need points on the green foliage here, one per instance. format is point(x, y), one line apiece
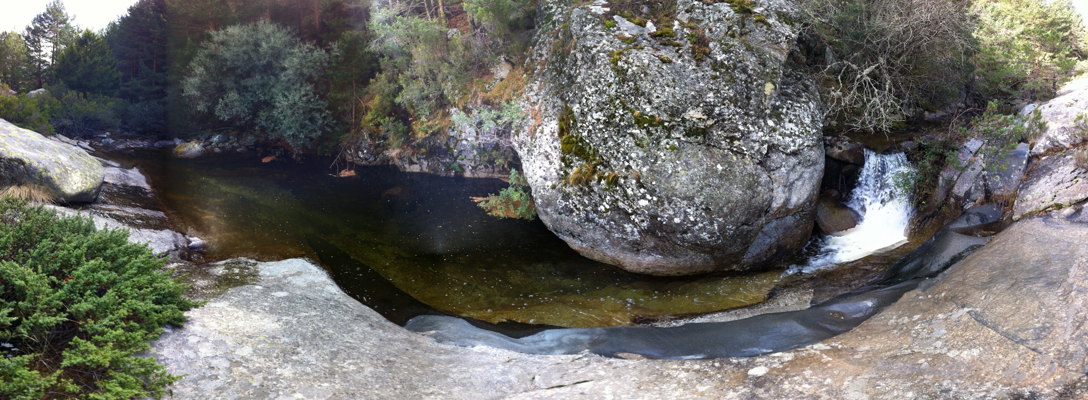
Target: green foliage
point(417, 53)
point(49, 33)
point(1080, 125)
point(352, 66)
point(1000, 133)
point(78, 305)
point(502, 17)
point(261, 78)
point(138, 41)
point(88, 66)
point(60, 110)
point(514, 201)
point(489, 120)
point(931, 158)
point(431, 63)
point(1026, 48)
point(14, 65)
point(78, 113)
point(29, 112)
point(384, 122)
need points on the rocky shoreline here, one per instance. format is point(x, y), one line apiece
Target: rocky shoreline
point(1008, 321)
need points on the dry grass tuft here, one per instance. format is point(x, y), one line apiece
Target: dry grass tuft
point(30, 193)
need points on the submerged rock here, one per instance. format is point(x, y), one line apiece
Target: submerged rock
point(747, 337)
point(682, 145)
point(29, 159)
point(191, 149)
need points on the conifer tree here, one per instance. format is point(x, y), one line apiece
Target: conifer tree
point(88, 66)
point(13, 62)
point(45, 37)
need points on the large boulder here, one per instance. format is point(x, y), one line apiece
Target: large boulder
point(1064, 129)
point(674, 140)
point(1055, 181)
point(28, 158)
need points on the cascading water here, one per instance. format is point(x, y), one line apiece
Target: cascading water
point(885, 210)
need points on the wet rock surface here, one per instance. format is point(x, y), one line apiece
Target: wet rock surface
point(126, 202)
point(66, 171)
point(677, 149)
point(844, 149)
point(833, 217)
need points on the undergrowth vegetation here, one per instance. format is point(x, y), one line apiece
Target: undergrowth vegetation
point(76, 307)
point(513, 201)
point(883, 63)
point(998, 134)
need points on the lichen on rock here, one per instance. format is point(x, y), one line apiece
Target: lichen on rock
point(710, 161)
point(66, 171)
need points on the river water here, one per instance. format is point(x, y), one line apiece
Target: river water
point(406, 244)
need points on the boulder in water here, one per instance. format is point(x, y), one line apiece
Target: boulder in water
point(67, 172)
point(191, 149)
point(673, 159)
point(833, 217)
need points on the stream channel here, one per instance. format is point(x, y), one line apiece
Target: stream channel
point(409, 244)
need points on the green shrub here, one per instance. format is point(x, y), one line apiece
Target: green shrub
point(513, 201)
point(76, 306)
point(1000, 133)
point(261, 78)
point(80, 113)
point(929, 160)
point(1026, 48)
point(29, 112)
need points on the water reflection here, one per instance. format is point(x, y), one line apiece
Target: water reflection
point(395, 240)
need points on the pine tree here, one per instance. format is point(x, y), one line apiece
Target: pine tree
point(45, 37)
point(13, 61)
point(138, 42)
point(88, 66)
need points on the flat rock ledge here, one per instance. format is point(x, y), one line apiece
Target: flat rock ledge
point(1009, 321)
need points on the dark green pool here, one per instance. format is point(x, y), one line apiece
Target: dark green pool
point(391, 239)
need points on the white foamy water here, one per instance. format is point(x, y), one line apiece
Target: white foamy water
point(885, 214)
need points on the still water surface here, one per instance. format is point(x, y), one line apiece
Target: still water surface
point(402, 243)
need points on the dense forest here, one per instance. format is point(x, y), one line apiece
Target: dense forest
point(318, 75)
point(399, 78)
point(323, 71)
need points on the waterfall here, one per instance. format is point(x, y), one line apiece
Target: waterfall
point(885, 210)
